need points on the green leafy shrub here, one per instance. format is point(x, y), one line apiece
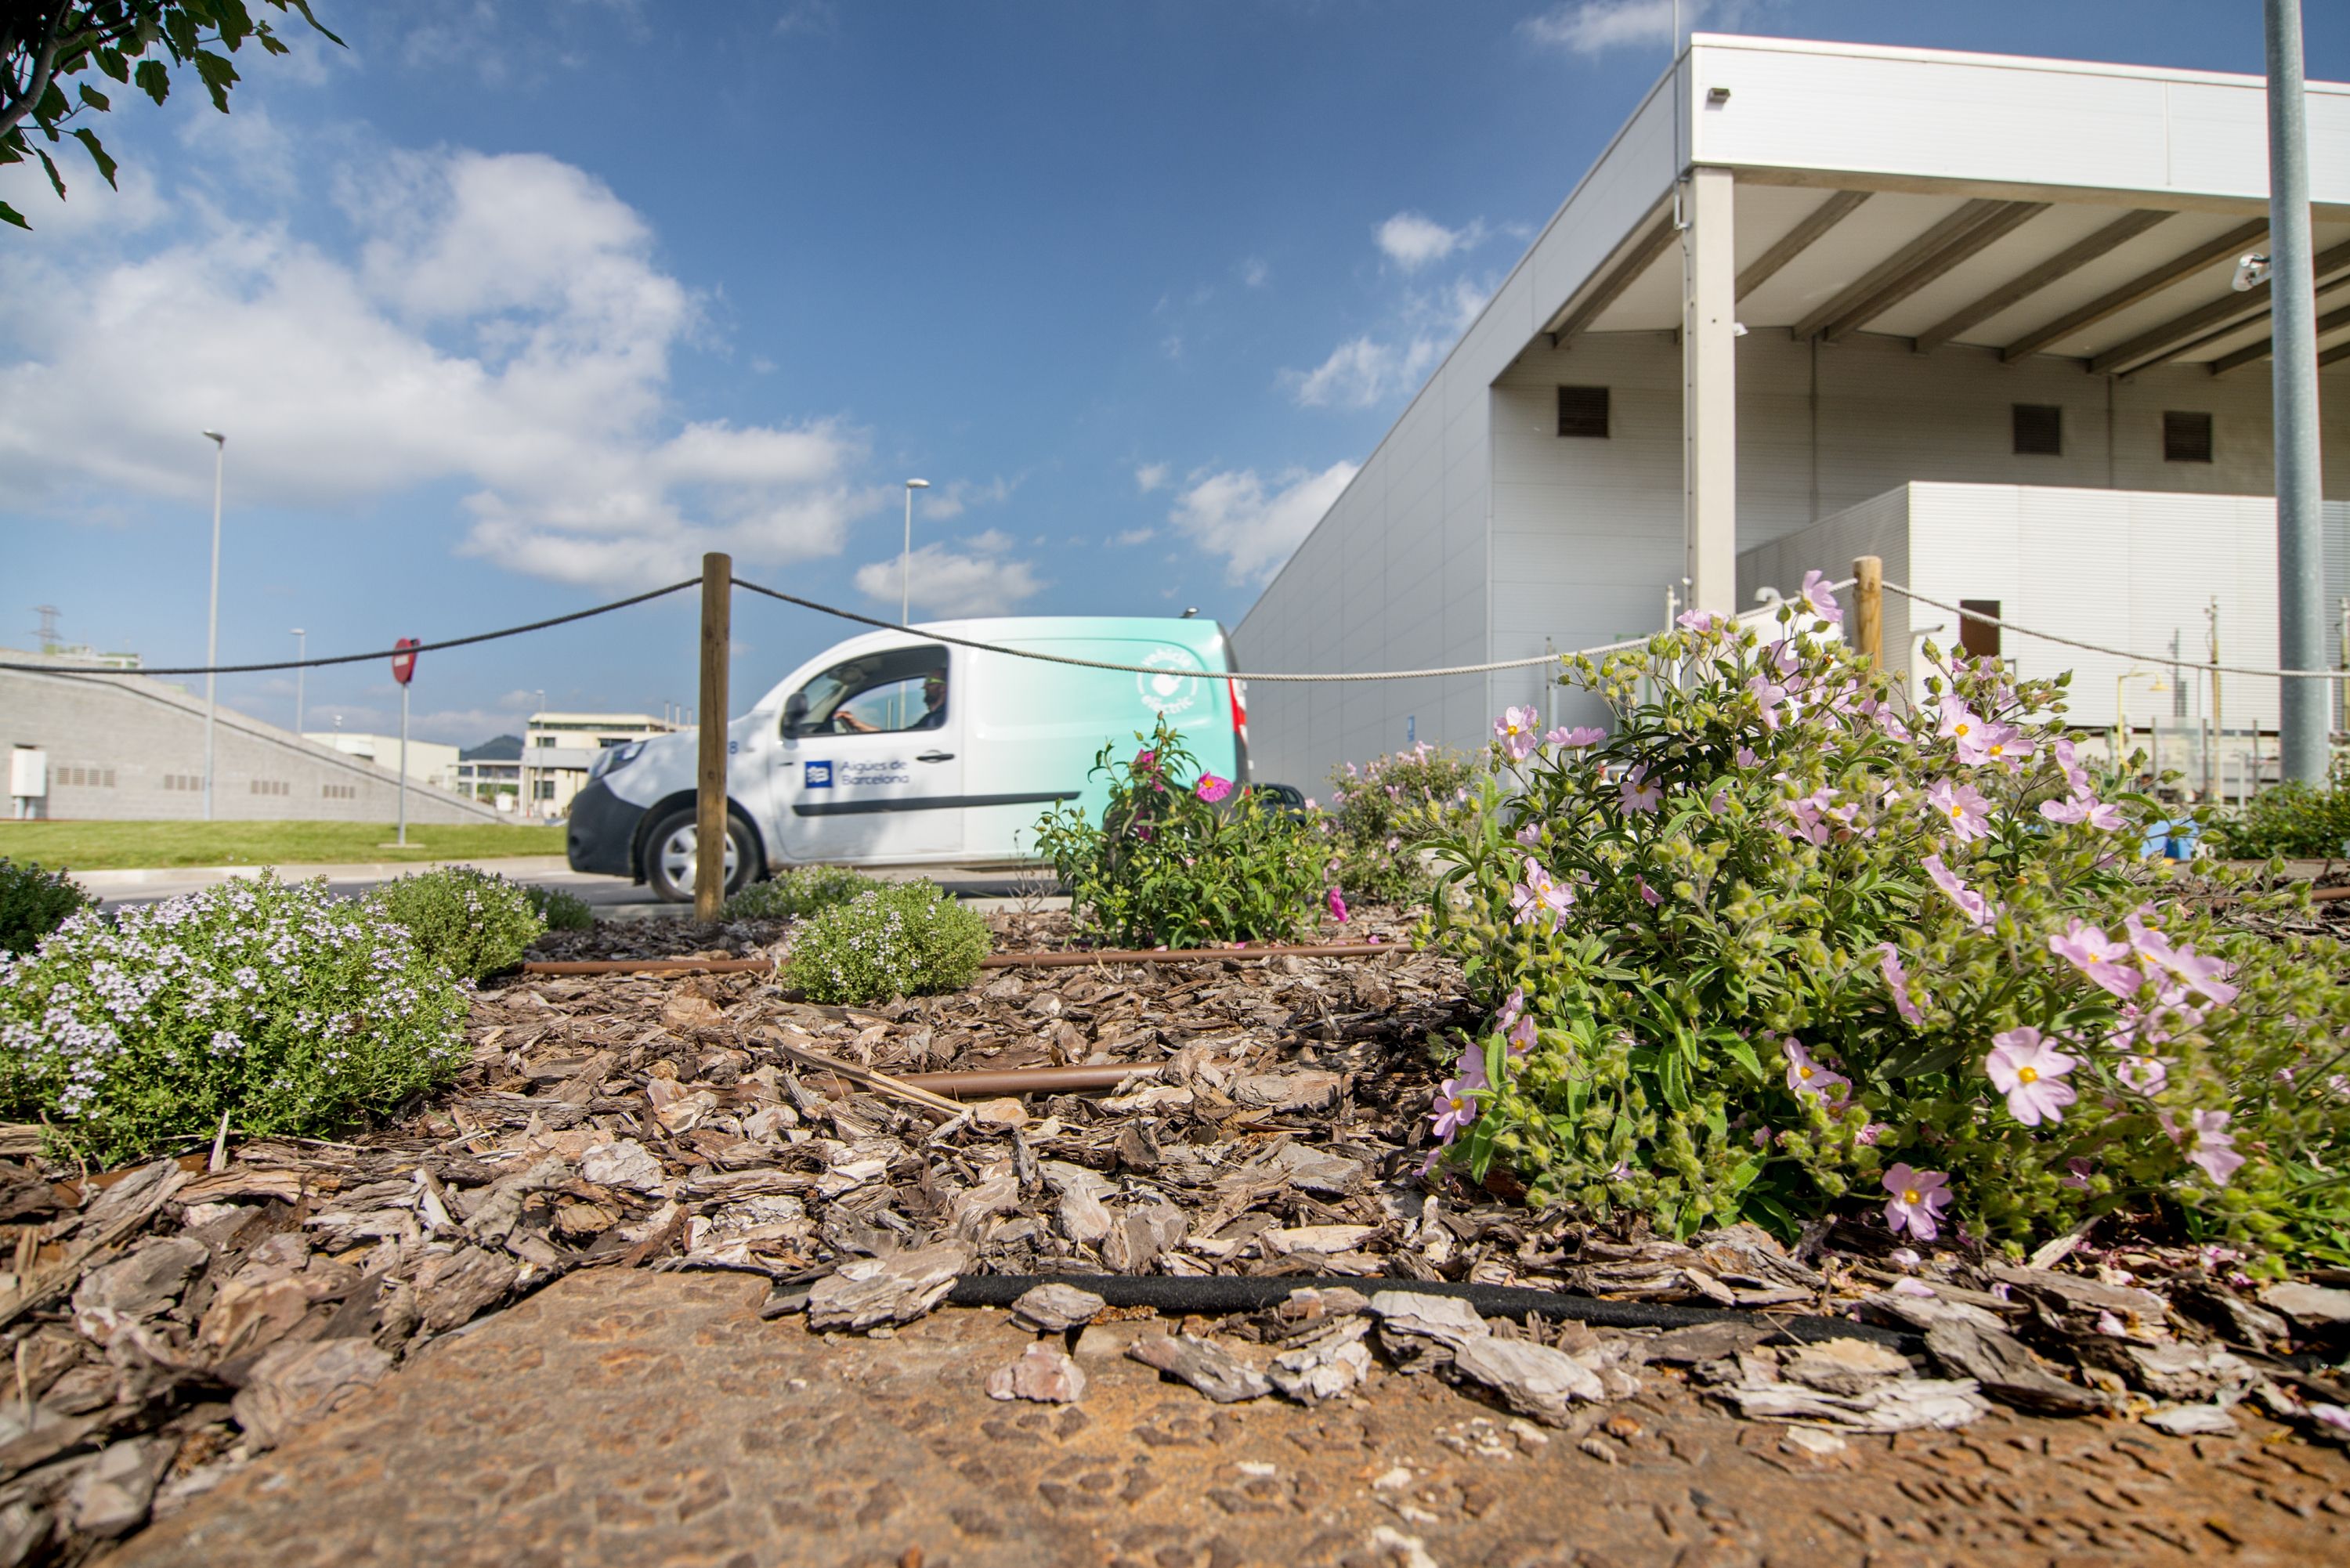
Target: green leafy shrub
point(1783, 942)
point(1180, 859)
point(559, 910)
point(292, 1012)
point(1382, 812)
point(901, 939)
point(798, 893)
point(2293, 819)
point(472, 922)
point(34, 902)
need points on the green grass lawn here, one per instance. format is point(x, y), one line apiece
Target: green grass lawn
point(122, 845)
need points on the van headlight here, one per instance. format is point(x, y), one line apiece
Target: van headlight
point(612, 758)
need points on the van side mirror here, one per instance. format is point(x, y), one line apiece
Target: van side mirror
point(795, 712)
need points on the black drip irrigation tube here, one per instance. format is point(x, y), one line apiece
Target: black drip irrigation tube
point(1211, 1296)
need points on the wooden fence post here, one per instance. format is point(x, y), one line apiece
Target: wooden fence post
point(709, 781)
point(1868, 608)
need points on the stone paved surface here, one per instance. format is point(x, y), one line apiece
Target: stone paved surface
point(624, 1417)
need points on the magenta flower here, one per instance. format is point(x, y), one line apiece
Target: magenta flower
point(1746, 757)
point(2144, 1074)
point(1452, 1110)
point(1970, 903)
point(1530, 835)
point(1515, 730)
point(1695, 620)
point(1768, 695)
point(1212, 789)
point(1809, 824)
point(2087, 948)
point(1521, 1037)
point(1538, 896)
point(2084, 807)
point(2030, 1071)
point(2006, 745)
point(2215, 1146)
point(1917, 1202)
point(1648, 893)
point(1471, 1069)
point(1513, 1006)
point(1338, 903)
point(1145, 761)
point(2197, 972)
point(1897, 980)
point(1578, 738)
point(2076, 777)
point(1806, 1077)
point(1820, 599)
point(2077, 1174)
point(1963, 807)
point(1870, 1134)
point(1961, 724)
point(1636, 793)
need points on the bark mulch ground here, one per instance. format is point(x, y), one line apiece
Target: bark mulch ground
point(169, 1324)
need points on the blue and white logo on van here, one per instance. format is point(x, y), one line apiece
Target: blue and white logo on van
point(819, 776)
point(1173, 686)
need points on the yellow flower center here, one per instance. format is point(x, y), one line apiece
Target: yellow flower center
point(1802, 1071)
point(1909, 1195)
point(1960, 730)
point(1957, 812)
point(2027, 1074)
point(1459, 1103)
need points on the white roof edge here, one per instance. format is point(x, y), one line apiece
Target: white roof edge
point(2005, 62)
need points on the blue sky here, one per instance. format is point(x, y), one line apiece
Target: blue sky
point(515, 306)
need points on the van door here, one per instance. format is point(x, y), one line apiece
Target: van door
point(869, 768)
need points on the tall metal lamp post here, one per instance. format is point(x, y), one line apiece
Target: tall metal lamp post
point(906, 561)
point(301, 652)
point(212, 615)
point(2293, 297)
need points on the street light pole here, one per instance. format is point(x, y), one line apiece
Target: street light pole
point(906, 561)
point(211, 616)
point(2301, 736)
point(301, 651)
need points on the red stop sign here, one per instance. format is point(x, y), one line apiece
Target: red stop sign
point(403, 664)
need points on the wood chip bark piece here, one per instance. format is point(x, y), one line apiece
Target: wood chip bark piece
point(141, 1284)
point(1055, 1308)
point(1896, 1404)
point(2188, 1372)
point(1327, 1365)
point(297, 1382)
point(1418, 1330)
point(1043, 1373)
point(1084, 1218)
point(1705, 1342)
point(2007, 1369)
point(1203, 1364)
point(1844, 1365)
point(1531, 1379)
point(112, 1496)
point(451, 1288)
point(626, 1163)
point(2313, 1307)
point(2191, 1421)
point(896, 1289)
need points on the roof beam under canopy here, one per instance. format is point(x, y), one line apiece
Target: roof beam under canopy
point(1580, 313)
point(2180, 333)
point(2144, 286)
point(1799, 239)
point(1914, 266)
point(2063, 265)
point(2332, 321)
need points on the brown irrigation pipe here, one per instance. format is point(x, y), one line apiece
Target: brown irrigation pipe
point(1058, 959)
point(988, 1085)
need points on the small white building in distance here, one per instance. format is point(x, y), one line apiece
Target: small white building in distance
point(1970, 313)
point(429, 761)
point(558, 749)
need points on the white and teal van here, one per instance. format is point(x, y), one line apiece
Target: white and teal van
point(893, 749)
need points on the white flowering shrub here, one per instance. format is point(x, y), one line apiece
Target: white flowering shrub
point(798, 892)
point(294, 1013)
point(473, 923)
point(906, 938)
point(1783, 942)
point(1379, 812)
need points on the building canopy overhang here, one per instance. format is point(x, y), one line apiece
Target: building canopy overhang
point(1958, 201)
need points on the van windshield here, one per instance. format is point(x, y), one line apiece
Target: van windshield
point(893, 689)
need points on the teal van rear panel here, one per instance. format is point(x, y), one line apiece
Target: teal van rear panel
point(1033, 726)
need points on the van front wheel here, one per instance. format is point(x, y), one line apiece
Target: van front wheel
point(672, 856)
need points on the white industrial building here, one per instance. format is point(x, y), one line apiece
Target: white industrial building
point(1972, 313)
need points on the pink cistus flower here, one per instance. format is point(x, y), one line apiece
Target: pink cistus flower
point(1575, 739)
point(1515, 730)
point(2006, 745)
point(1540, 896)
point(1636, 793)
point(1338, 903)
point(2077, 1172)
point(1963, 807)
point(1918, 1198)
point(1513, 1007)
point(2144, 1075)
point(1695, 620)
point(1820, 599)
point(1961, 725)
point(1521, 1037)
point(2087, 948)
point(1768, 694)
point(2029, 1071)
point(1897, 980)
point(2083, 807)
point(1452, 1110)
point(1807, 1079)
point(1970, 903)
point(1648, 893)
point(1146, 762)
point(2215, 1146)
point(1212, 789)
point(1530, 835)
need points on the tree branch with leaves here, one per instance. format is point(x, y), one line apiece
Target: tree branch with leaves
point(46, 43)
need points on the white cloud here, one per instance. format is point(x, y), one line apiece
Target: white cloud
point(951, 499)
point(1254, 273)
point(1149, 476)
point(1595, 26)
point(1134, 536)
point(1361, 373)
point(502, 326)
point(1412, 241)
point(1235, 516)
point(948, 582)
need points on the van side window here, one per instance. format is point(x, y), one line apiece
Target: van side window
point(892, 690)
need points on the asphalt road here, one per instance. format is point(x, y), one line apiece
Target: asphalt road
point(613, 898)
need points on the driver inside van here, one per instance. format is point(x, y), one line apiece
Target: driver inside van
point(933, 715)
